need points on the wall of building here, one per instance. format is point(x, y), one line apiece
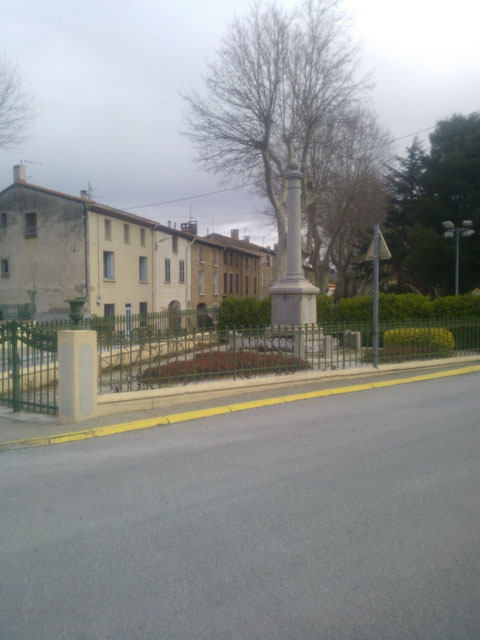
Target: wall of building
point(126, 286)
point(241, 274)
point(170, 288)
point(50, 260)
point(205, 259)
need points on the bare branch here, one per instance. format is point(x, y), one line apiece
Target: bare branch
point(17, 108)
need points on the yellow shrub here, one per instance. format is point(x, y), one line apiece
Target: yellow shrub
point(418, 340)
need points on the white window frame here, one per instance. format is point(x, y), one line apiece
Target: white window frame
point(108, 265)
point(143, 269)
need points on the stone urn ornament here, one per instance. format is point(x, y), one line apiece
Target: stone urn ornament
point(76, 310)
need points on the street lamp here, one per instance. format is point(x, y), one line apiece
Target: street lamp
point(452, 231)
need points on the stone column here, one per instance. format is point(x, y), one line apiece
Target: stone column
point(77, 375)
point(294, 298)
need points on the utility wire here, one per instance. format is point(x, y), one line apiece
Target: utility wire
point(201, 195)
point(249, 184)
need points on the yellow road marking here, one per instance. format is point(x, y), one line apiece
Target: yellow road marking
point(97, 432)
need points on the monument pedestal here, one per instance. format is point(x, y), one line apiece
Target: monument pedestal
point(294, 301)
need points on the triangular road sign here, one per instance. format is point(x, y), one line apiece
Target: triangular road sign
point(383, 250)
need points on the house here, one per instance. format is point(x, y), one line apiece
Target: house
point(248, 267)
point(55, 246)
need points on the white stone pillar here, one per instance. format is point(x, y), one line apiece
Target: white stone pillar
point(77, 375)
point(294, 299)
point(294, 228)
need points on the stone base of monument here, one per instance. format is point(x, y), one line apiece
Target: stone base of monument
point(294, 302)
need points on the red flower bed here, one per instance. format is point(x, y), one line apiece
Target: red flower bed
point(222, 365)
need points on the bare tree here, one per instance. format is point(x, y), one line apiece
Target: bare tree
point(280, 78)
point(346, 195)
point(17, 108)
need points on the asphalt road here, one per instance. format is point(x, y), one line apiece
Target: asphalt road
point(354, 517)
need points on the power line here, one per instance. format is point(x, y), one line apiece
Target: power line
point(201, 195)
point(414, 133)
point(249, 184)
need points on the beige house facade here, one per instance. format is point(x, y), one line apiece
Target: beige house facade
point(54, 246)
point(248, 267)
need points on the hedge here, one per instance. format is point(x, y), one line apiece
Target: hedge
point(238, 313)
point(235, 313)
point(393, 307)
point(418, 340)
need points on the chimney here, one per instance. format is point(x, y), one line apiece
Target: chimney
point(247, 238)
point(19, 173)
point(169, 223)
point(84, 194)
point(235, 234)
point(190, 227)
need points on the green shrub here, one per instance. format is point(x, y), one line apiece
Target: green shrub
point(393, 307)
point(243, 313)
point(350, 310)
point(466, 306)
point(422, 341)
point(325, 310)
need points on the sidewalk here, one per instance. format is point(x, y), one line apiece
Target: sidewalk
point(16, 428)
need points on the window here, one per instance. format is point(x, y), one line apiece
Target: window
point(263, 278)
point(224, 283)
point(181, 270)
point(126, 233)
point(142, 269)
point(202, 258)
point(255, 286)
point(201, 283)
point(108, 265)
point(5, 270)
point(246, 285)
point(267, 261)
point(237, 261)
point(30, 225)
point(167, 269)
point(174, 244)
point(4, 220)
point(231, 259)
point(108, 310)
point(215, 283)
point(214, 256)
point(231, 283)
point(236, 282)
point(246, 263)
point(142, 237)
point(108, 229)
point(225, 258)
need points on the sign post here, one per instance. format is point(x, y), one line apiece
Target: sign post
point(377, 251)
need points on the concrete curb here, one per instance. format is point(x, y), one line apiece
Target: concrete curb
point(98, 432)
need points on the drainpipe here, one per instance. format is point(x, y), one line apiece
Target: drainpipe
point(187, 272)
point(154, 272)
point(85, 232)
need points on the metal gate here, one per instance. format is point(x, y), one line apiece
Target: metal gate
point(28, 367)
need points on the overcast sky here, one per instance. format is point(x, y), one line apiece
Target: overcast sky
point(106, 75)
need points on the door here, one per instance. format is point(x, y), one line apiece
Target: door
point(128, 318)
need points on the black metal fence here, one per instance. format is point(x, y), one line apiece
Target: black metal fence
point(152, 351)
point(28, 367)
point(169, 359)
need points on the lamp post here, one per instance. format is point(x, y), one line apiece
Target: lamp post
point(452, 231)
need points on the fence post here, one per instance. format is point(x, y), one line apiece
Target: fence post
point(77, 375)
point(16, 385)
